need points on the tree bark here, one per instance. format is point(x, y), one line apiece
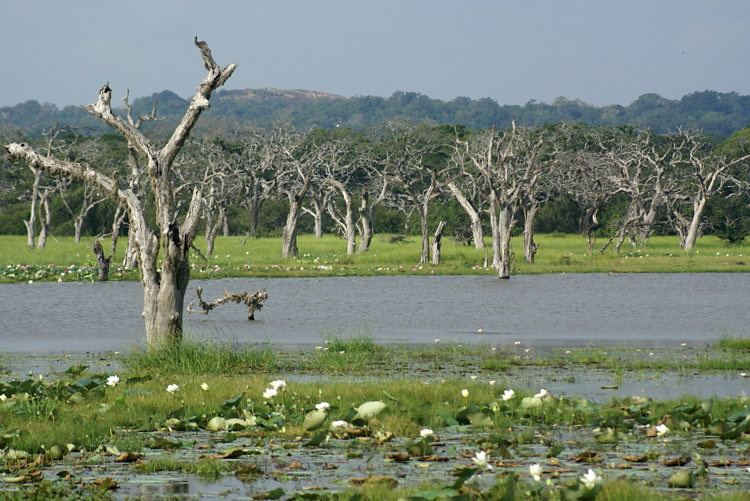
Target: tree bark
point(475, 221)
point(289, 233)
point(44, 220)
point(102, 262)
point(505, 222)
point(437, 240)
point(529, 246)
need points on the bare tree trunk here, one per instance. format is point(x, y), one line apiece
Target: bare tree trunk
point(117, 221)
point(436, 242)
point(102, 262)
point(317, 215)
point(130, 260)
point(475, 221)
point(77, 227)
point(212, 230)
point(366, 214)
point(529, 246)
point(31, 223)
point(253, 210)
point(695, 224)
point(505, 223)
point(425, 257)
point(289, 233)
point(45, 221)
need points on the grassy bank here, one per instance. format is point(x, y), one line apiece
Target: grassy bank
point(208, 411)
point(327, 257)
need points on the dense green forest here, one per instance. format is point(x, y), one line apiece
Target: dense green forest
point(714, 113)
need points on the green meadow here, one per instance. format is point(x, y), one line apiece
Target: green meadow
point(327, 257)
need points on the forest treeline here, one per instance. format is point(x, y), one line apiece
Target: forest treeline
point(716, 114)
point(621, 184)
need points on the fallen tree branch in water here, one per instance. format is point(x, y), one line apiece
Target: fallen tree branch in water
point(252, 301)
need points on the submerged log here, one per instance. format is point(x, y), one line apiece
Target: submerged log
point(252, 301)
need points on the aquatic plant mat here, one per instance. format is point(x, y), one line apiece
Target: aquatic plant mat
point(457, 424)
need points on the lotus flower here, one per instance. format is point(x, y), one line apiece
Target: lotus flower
point(542, 393)
point(425, 432)
point(590, 479)
point(173, 388)
point(113, 380)
point(508, 394)
point(204, 387)
point(481, 459)
point(465, 393)
point(661, 430)
point(270, 393)
point(278, 384)
point(323, 406)
point(339, 425)
point(535, 470)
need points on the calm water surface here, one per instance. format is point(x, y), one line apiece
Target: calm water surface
point(539, 310)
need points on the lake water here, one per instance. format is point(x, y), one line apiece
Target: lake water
point(541, 311)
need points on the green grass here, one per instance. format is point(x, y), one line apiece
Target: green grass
point(734, 343)
point(327, 257)
point(199, 357)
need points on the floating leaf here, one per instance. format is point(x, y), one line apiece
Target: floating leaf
point(127, 457)
point(317, 439)
point(449, 420)
point(680, 461)
point(683, 479)
point(369, 410)
point(76, 370)
point(314, 419)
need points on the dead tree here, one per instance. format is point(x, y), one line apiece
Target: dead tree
point(413, 168)
point(437, 240)
point(696, 175)
point(509, 163)
point(164, 279)
point(102, 261)
point(254, 302)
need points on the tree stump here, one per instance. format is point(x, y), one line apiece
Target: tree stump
point(101, 262)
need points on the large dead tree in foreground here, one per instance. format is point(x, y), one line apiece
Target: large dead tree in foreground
point(164, 285)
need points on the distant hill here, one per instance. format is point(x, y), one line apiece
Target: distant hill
point(716, 113)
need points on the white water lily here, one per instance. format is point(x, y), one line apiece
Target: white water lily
point(339, 425)
point(465, 393)
point(270, 393)
point(542, 393)
point(425, 432)
point(323, 406)
point(481, 459)
point(173, 388)
point(508, 394)
point(661, 430)
point(204, 387)
point(278, 384)
point(590, 479)
point(113, 380)
point(535, 470)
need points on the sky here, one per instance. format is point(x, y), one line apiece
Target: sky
point(599, 51)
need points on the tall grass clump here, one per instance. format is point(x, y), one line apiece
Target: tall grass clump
point(340, 353)
point(199, 357)
point(735, 343)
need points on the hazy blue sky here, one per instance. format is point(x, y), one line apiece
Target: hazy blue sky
point(599, 51)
